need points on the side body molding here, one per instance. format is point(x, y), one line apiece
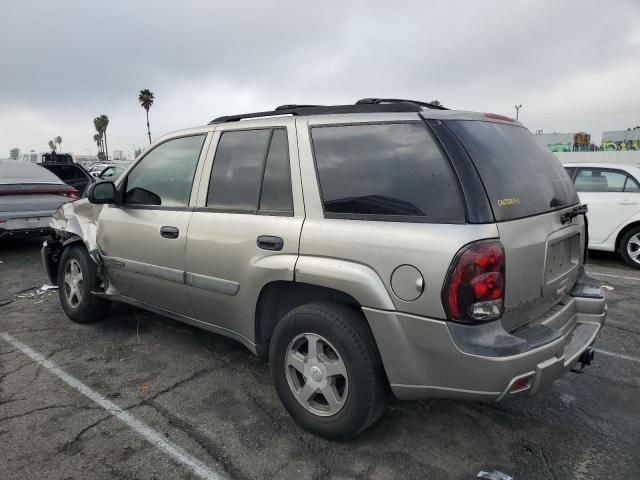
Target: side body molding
point(355, 279)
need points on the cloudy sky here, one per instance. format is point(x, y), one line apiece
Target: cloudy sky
point(573, 65)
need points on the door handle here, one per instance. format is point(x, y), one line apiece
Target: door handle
point(627, 202)
point(169, 232)
point(268, 242)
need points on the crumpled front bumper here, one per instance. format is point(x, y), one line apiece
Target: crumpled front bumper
point(426, 358)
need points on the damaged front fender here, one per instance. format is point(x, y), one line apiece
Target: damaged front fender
point(77, 220)
point(73, 222)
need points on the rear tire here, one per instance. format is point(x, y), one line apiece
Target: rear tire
point(339, 391)
point(77, 278)
point(629, 248)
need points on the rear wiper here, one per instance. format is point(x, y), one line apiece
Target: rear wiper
point(573, 213)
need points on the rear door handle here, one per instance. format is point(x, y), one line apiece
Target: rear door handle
point(268, 242)
point(169, 232)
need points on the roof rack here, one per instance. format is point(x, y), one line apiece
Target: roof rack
point(378, 101)
point(291, 106)
point(366, 105)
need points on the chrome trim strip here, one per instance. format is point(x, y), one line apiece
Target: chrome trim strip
point(213, 284)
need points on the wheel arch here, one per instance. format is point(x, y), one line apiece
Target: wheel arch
point(624, 231)
point(279, 297)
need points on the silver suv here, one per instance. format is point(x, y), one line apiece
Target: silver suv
point(389, 246)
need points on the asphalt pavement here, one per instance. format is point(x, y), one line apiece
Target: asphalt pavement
point(137, 396)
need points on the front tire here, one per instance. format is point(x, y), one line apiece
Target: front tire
point(77, 278)
point(327, 370)
point(630, 247)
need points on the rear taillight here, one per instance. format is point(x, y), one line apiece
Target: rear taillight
point(66, 192)
point(474, 291)
point(71, 193)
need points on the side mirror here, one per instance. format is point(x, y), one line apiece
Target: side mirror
point(102, 192)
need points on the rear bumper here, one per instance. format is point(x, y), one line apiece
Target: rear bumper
point(423, 360)
point(32, 224)
point(25, 232)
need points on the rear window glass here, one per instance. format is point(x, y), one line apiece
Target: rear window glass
point(521, 178)
point(385, 171)
point(66, 172)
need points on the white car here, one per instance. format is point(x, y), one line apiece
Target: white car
point(612, 193)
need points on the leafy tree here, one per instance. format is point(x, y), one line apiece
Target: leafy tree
point(58, 140)
point(146, 100)
point(52, 145)
point(13, 153)
point(436, 103)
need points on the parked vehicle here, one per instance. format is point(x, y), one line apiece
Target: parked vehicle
point(72, 174)
point(29, 194)
point(95, 168)
point(44, 157)
point(112, 172)
point(612, 194)
point(386, 246)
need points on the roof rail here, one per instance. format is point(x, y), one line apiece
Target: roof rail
point(291, 106)
point(302, 110)
point(378, 101)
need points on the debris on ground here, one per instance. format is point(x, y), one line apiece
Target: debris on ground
point(41, 293)
point(37, 292)
point(493, 475)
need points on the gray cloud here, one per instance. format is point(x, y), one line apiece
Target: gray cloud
point(572, 64)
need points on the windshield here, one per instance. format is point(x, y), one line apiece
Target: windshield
point(520, 177)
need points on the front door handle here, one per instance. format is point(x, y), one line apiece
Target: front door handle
point(627, 202)
point(268, 242)
point(169, 232)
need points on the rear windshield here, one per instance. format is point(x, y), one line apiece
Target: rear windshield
point(67, 172)
point(521, 178)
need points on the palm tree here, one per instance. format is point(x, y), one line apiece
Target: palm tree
point(58, 140)
point(98, 139)
point(52, 146)
point(97, 123)
point(105, 123)
point(146, 100)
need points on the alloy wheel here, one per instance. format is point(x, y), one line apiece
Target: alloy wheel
point(316, 374)
point(633, 248)
point(73, 283)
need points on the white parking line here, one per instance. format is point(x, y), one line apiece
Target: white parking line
point(614, 276)
point(619, 355)
point(155, 438)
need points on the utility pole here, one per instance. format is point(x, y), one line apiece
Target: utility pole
point(518, 107)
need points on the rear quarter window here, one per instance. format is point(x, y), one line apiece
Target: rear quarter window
point(521, 178)
point(385, 172)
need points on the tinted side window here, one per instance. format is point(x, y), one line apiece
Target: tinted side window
point(165, 175)
point(392, 170)
point(237, 170)
point(276, 185)
point(598, 180)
